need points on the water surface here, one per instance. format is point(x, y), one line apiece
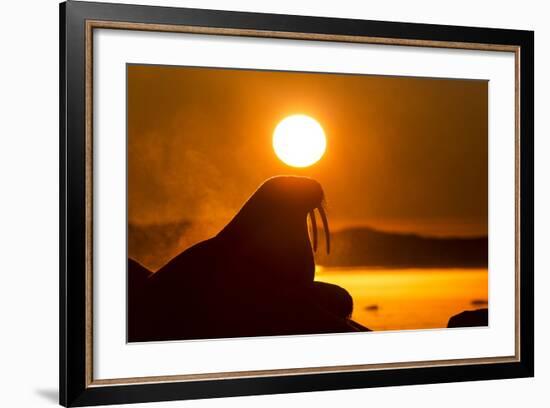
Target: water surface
point(398, 299)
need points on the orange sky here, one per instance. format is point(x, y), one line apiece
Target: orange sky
point(403, 154)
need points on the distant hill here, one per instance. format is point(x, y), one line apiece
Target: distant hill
point(369, 247)
point(153, 245)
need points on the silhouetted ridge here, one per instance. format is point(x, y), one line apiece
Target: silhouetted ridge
point(154, 244)
point(369, 247)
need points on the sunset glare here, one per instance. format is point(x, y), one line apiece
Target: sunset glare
point(299, 141)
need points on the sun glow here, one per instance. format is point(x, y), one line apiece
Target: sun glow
point(299, 141)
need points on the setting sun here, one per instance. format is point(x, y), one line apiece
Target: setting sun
point(299, 141)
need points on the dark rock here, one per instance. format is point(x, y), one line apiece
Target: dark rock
point(470, 318)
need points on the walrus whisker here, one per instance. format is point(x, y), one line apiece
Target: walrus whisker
point(313, 229)
point(325, 226)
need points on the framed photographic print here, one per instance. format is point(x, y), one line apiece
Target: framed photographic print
point(256, 203)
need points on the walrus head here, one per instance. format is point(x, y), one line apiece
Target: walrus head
point(300, 195)
point(290, 196)
point(270, 232)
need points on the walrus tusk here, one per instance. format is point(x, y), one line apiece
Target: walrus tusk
point(325, 226)
point(313, 229)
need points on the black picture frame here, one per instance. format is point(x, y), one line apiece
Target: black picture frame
point(76, 389)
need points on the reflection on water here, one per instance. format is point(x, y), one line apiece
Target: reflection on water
point(397, 299)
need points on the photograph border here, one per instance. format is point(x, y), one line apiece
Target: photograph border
point(77, 22)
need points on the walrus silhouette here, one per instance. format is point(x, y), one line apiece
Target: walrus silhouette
point(255, 277)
